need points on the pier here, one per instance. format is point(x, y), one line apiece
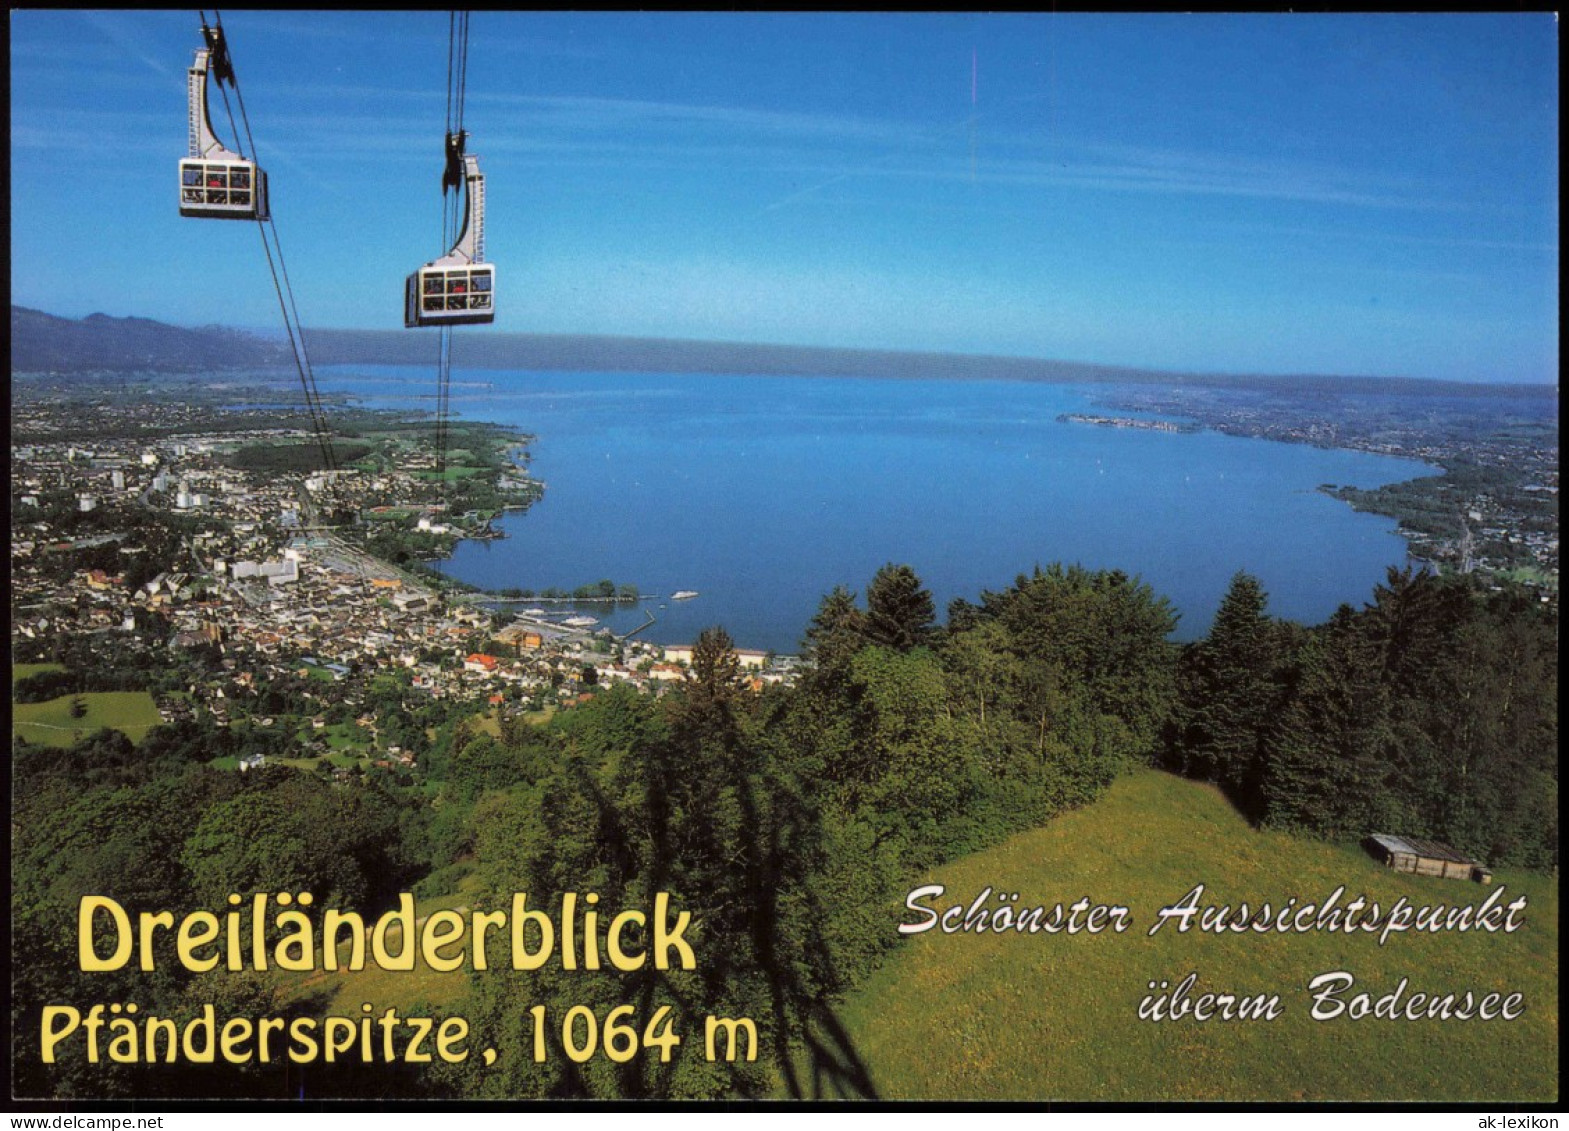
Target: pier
point(494, 599)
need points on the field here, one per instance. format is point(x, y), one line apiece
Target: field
point(51, 724)
point(1049, 1016)
point(459, 471)
point(22, 671)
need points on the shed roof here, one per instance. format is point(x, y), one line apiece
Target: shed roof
point(1431, 849)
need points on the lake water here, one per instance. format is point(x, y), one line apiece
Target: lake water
point(762, 493)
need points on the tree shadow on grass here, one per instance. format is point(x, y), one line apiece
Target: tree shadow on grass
point(814, 1055)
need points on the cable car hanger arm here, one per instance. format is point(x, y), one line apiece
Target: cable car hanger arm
point(204, 142)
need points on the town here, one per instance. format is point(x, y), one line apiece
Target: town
point(203, 562)
point(1492, 509)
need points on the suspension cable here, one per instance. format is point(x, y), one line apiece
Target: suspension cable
point(457, 85)
point(463, 67)
point(451, 215)
point(278, 268)
point(452, 25)
point(443, 400)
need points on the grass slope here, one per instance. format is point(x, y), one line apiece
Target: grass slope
point(50, 724)
point(1055, 1017)
point(25, 671)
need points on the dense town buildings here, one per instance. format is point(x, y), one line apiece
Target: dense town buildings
point(188, 551)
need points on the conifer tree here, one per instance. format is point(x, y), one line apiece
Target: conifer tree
point(836, 632)
point(1232, 692)
point(1328, 757)
point(716, 669)
point(899, 610)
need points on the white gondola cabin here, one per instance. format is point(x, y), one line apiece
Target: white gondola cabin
point(216, 183)
point(223, 190)
point(450, 295)
point(459, 288)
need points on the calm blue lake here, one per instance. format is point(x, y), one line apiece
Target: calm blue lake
point(762, 493)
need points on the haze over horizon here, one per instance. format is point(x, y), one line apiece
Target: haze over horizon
point(1261, 194)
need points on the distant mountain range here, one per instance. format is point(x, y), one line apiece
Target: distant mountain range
point(44, 343)
point(488, 350)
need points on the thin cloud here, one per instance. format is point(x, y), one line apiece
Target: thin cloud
point(1361, 236)
point(490, 36)
point(850, 147)
point(591, 132)
point(1153, 171)
point(612, 114)
point(98, 132)
point(119, 33)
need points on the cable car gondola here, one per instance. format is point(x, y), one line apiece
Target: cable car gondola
point(216, 183)
point(460, 287)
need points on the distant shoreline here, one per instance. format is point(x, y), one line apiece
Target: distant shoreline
point(47, 344)
point(588, 353)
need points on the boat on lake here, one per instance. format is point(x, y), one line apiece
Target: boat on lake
point(684, 595)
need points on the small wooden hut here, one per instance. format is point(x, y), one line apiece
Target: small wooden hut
point(1425, 858)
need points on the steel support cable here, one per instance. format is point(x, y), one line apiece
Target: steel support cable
point(312, 394)
point(443, 400)
point(292, 326)
point(457, 84)
point(307, 375)
point(220, 69)
point(447, 213)
point(448, 236)
point(463, 67)
point(301, 361)
point(452, 22)
point(457, 80)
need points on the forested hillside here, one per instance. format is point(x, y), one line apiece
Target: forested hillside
point(1432, 712)
point(788, 820)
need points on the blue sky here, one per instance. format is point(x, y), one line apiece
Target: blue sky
point(1353, 194)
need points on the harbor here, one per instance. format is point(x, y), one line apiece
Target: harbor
point(567, 621)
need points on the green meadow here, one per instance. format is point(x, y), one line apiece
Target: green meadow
point(51, 724)
point(1053, 1016)
point(457, 468)
point(23, 671)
